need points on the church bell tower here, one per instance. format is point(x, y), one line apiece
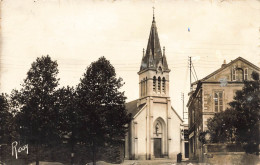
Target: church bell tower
point(154, 71)
point(155, 126)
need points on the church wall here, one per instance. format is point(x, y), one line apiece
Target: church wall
point(159, 111)
point(141, 135)
point(175, 145)
point(149, 75)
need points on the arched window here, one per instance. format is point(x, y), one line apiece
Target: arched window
point(154, 83)
point(160, 69)
point(141, 84)
point(159, 84)
point(246, 74)
point(145, 87)
point(163, 85)
point(234, 74)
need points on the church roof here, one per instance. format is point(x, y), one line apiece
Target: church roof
point(132, 108)
point(153, 57)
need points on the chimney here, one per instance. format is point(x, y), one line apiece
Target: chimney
point(224, 64)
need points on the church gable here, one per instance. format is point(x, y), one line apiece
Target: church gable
point(176, 114)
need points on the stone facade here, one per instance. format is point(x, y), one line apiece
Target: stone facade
point(155, 129)
point(211, 95)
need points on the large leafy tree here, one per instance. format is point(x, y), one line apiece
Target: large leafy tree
point(37, 115)
point(68, 114)
point(241, 121)
point(5, 120)
point(103, 116)
point(247, 104)
point(222, 126)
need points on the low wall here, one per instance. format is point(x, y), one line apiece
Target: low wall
point(227, 154)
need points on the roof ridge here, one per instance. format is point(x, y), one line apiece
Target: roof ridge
point(225, 66)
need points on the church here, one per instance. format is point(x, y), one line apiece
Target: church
point(156, 130)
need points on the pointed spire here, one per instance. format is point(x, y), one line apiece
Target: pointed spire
point(153, 54)
point(153, 15)
point(143, 52)
point(165, 65)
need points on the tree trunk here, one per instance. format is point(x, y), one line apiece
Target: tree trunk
point(37, 155)
point(72, 149)
point(94, 153)
point(258, 138)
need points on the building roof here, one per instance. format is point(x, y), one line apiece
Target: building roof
point(199, 82)
point(153, 57)
point(132, 108)
point(177, 114)
point(225, 66)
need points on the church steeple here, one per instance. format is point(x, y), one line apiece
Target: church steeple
point(153, 55)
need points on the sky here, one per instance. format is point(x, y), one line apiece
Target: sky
point(78, 32)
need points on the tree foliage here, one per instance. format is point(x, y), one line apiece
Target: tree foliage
point(222, 126)
point(68, 116)
point(240, 123)
point(103, 115)
point(37, 116)
point(67, 110)
point(5, 120)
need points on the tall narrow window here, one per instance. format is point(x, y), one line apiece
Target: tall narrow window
point(246, 74)
point(218, 101)
point(234, 74)
point(159, 84)
point(163, 85)
point(145, 87)
point(154, 83)
point(141, 88)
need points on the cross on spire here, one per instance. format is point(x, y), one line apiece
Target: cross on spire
point(153, 14)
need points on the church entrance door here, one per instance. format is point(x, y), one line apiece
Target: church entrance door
point(157, 147)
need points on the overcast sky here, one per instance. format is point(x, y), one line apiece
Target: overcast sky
point(78, 32)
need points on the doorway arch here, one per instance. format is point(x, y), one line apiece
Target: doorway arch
point(159, 136)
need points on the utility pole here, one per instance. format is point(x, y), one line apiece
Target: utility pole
point(183, 109)
point(182, 97)
point(190, 72)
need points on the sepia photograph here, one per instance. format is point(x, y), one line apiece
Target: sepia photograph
point(131, 82)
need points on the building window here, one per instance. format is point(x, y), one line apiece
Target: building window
point(163, 85)
point(159, 84)
point(141, 88)
point(246, 74)
point(154, 83)
point(218, 101)
point(145, 87)
point(234, 74)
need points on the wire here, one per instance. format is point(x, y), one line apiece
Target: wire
point(193, 76)
point(194, 70)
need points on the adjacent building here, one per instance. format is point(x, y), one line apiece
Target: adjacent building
point(211, 95)
point(156, 129)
